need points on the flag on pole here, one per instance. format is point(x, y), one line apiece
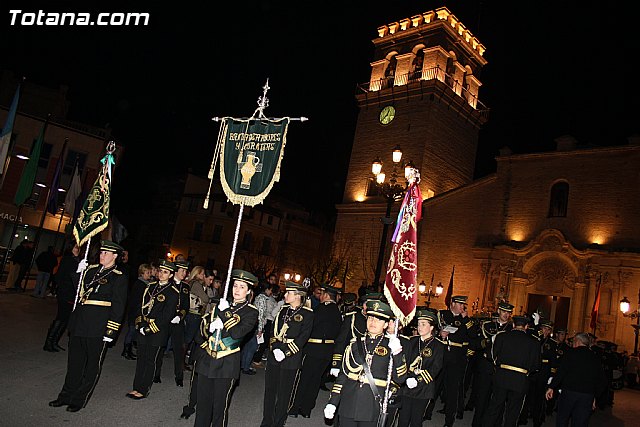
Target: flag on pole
point(7, 130)
point(596, 304)
point(449, 295)
point(400, 287)
point(52, 201)
point(94, 215)
point(73, 192)
point(30, 170)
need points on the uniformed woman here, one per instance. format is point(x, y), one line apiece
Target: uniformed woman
point(157, 308)
point(291, 330)
point(424, 355)
point(361, 384)
point(218, 351)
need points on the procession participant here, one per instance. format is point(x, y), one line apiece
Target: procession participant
point(327, 321)
point(133, 300)
point(455, 359)
point(217, 366)
point(291, 330)
point(539, 380)
point(361, 384)
point(353, 326)
point(425, 356)
point(93, 324)
point(516, 354)
point(157, 308)
point(198, 304)
point(484, 365)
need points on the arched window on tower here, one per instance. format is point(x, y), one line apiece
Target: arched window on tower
point(559, 200)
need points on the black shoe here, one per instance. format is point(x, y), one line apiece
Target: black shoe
point(427, 416)
point(293, 415)
point(157, 380)
point(305, 415)
point(460, 415)
point(187, 411)
point(468, 407)
point(249, 371)
point(73, 408)
point(179, 382)
point(324, 387)
point(440, 411)
point(57, 403)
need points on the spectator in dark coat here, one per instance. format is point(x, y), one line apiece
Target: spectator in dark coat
point(46, 262)
point(67, 282)
point(22, 256)
point(580, 378)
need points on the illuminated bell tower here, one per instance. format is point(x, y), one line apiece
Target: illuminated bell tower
point(423, 98)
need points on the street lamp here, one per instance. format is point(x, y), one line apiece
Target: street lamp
point(422, 288)
point(390, 191)
point(287, 276)
point(625, 307)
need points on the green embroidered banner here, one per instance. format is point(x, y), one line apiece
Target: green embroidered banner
point(94, 215)
point(251, 153)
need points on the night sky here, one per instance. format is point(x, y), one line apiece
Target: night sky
point(555, 68)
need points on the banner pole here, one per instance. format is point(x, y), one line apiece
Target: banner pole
point(86, 255)
point(382, 419)
point(229, 270)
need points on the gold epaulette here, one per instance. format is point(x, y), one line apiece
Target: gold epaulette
point(175, 289)
point(252, 306)
point(404, 336)
point(307, 308)
point(115, 270)
point(441, 340)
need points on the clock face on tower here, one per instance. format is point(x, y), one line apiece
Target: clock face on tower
point(387, 114)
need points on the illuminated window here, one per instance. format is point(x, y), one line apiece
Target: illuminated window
point(559, 200)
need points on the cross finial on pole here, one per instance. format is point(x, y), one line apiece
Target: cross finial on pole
point(263, 101)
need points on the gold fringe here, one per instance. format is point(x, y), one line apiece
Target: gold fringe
point(404, 320)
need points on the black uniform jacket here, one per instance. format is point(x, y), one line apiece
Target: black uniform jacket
point(580, 371)
point(466, 329)
point(516, 355)
point(327, 321)
point(155, 312)
point(291, 330)
point(182, 307)
point(353, 326)
point(351, 391)
point(549, 353)
point(425, 360)
point(488, 330)
point(238, 320)
point(101, 303)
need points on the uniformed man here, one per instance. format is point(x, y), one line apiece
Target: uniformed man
point(176, 330)
point(157, 308)
point(425, 356)
point(218, 352)
point(291, 330)
point(93, 324)
point(354, 325)
point(484, 365)
point(457, 330)
point(539, 380)
point(516, 354)
point(327, 321)
point(358, 392)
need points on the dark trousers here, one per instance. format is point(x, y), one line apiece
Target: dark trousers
point(21, 274)
point(538, 400)
point(248, 350)
point(191, 327)
point(176, 335)
point(266, 334)
point(311, 374)
point(193, 389)
point(454, 368)
point(481, 390)
point(349, 422)
point(575, 406)
point(504, 401)
point(84, 364)
point(279, 393)
point(214, 398)
point(131, 332)
point(145, 367)
point(412, 412)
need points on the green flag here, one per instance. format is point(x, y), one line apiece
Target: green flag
point(30, 170)
point(94, 215)
point(251, 154)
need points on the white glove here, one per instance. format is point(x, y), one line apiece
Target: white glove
point(82, 265)
point(412, 382)
point(175, 320)
point(216, 325)
point(329, 411)
point(278, 354)
point(536, 318)
point(223, 304)
point(334, 372)
point(394, 344)
point(142, 330)
point(107, 339)
point(549, 380)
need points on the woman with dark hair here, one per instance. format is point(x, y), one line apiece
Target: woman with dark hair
point(67, 282)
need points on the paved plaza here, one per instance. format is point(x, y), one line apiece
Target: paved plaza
point(32, 377)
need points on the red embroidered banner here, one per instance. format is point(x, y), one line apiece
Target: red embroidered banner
point(400, 286)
